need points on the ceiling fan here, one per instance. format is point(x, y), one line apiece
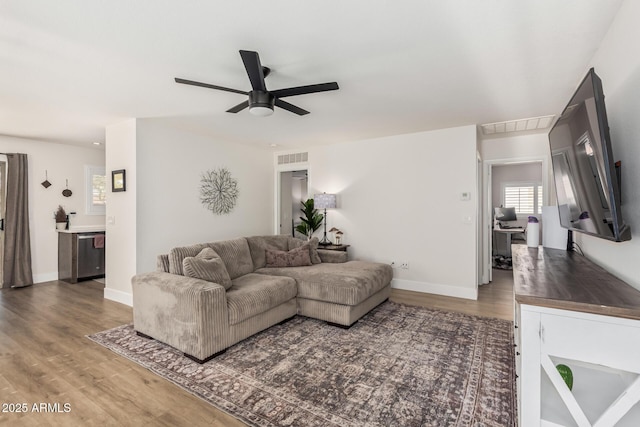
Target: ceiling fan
point(261, 100)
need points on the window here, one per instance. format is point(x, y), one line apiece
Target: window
point(525, 197)
point(96, 190)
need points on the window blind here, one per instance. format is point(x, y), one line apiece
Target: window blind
point(526, 198)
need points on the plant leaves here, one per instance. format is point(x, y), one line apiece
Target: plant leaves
point(311, 219)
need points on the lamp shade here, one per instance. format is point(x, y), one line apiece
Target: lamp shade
point(324, 201)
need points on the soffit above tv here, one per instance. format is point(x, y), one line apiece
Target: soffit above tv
point(520, 125)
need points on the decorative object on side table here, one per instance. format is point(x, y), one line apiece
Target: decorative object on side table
point(325, 201)
point(118, 180)
point(61, 218)
point(337, 235)
point(311, 221)
point(219, 191)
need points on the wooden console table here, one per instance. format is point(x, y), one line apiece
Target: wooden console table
point(570, 311)
point(342, 248)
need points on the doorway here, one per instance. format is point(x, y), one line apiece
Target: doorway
point(511, 173)
point(294, 187)
point(3, 194)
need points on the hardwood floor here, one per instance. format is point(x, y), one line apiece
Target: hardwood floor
point(494, 299)
point(46, 359)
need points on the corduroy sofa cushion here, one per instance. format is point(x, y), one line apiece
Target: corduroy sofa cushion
point(313, 247)
point(294, 258)
point(234, 253)
point(176, 255)
point(253, 294)
point(347, 283)
point(162, 263)
point(236, 256)
point(208, 266)
point(259, 244)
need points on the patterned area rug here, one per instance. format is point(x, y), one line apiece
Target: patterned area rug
point(398, 366)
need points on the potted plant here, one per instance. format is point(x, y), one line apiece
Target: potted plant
point(311, 221)
point(61, 218)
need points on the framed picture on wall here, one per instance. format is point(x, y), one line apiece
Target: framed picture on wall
point(118, 180)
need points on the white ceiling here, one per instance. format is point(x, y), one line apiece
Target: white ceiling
point(71, 67)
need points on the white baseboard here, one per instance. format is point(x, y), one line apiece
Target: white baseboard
point(45, 277)
point(118, 296)
point(435, 288)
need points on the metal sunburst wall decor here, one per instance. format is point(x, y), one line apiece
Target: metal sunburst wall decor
point(218, 191)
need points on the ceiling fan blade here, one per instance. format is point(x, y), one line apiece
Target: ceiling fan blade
point(302, 90)
point(290, 107)
point(192, 83)
point(238, 107)
point(254, 69)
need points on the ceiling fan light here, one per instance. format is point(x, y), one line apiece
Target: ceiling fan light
point(261, 111)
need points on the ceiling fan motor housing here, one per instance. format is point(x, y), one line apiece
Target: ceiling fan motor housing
point(261, 99)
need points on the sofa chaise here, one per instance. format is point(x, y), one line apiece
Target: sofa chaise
point(206, 297)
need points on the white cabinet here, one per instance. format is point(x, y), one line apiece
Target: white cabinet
point(570, 311)
point(602, 351)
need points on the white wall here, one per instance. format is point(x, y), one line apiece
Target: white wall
point(617, 62)
point(399, 200)
point(532, 145)
point(120, 245)
point(62, 162)
point(517, 147)
point(170, 163)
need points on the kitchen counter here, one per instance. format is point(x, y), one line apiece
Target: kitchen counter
point(85, 229)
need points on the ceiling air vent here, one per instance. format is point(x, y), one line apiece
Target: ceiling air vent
point(285, 159)
point(522, 125)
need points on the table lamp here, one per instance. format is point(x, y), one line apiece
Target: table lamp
point(324, 201)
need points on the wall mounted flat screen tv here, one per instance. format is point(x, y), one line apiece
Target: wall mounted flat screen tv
point(584, 171)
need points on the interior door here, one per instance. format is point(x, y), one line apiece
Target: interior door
point(293, 191)
point(3, 187)
point(286, 220)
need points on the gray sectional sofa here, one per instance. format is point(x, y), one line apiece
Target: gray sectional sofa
point(206, 297)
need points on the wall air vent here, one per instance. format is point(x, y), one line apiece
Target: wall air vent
point(285, 159)
point(523, 125)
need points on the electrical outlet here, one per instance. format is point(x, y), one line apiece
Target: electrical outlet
point(393, 264)
point(404, 265)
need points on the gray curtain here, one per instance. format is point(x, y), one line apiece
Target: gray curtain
point(17, 243)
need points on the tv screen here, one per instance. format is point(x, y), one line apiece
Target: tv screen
point(584, 172)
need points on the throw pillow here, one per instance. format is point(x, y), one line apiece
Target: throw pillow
point(294, 258)
point(259, 244)
point(313, 248)
point(208, 266)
